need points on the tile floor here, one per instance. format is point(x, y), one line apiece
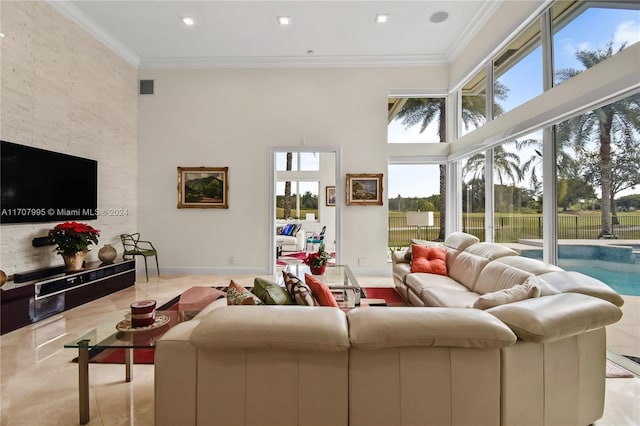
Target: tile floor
point(39, 384)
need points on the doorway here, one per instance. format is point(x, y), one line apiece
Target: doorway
point(301, 180)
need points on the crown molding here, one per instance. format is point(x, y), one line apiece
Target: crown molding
point(75, 14)
point(293, 61)
point(473, 28)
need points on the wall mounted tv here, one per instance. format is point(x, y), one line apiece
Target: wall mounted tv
point(45, 186)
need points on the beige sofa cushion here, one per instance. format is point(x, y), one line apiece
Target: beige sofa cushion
point(419, 281)
point(444, 297)
point(282, 327)
point(456, 243)
point(467, 265)
point(536, 267)
point(372, 329)
point(460, 241)
point(546, 319)
point(497, 276)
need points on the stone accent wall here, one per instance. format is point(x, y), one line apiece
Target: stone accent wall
point(64, 91)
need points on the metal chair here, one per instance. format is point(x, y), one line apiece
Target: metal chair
point(319, 240)
point(134, 246)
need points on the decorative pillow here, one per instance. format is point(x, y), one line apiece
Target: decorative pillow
point(287, 229)
point(432, 260)
point(238, 295)
point(320, 291)
point(407, 254)
point(518, 292)
point(271, 293)
point(299, 291)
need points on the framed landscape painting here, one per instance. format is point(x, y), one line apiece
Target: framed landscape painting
point(330, 195)
point(203, 187)
point(364, 189)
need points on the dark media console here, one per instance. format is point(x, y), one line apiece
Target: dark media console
point(24, 303)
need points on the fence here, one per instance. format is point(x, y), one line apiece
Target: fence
point(513, 228)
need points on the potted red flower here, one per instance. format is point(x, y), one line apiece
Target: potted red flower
point(318, 261)
point(73, 240)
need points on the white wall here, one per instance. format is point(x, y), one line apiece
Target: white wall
point(63, 91)
point(232, 118)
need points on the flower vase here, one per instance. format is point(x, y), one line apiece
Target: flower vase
point(107, 254)
point(317, 270)
point(73, 262)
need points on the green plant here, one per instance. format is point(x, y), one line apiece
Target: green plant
point(72, 237)
point(319, 258)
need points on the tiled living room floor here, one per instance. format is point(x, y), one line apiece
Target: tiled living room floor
point(39, 383)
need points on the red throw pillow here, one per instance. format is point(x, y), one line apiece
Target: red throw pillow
point(432, 260)
point(320, 291)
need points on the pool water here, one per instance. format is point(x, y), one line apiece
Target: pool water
point(624, 278)
point(617, 266)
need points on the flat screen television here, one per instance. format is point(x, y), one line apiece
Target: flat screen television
point(45, 186)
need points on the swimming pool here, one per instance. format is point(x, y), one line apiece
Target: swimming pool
point(617, 266)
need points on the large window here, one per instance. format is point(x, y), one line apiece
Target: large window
point(473, 108)
point(473, 195)
point(585, 33)
point(416, 120)
point(517, 187)
point(303, 200)
point(518, 71)
point(413, 188)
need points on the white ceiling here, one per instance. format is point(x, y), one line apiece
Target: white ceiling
point(246, 33)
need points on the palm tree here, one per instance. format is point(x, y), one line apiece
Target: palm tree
point(424, 111)
point(602, 124)
point(566, 164)
point(287, 189)
point(506, 165)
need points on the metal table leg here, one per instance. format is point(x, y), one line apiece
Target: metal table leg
point(83, 381)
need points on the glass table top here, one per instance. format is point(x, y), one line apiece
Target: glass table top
point(107, 335)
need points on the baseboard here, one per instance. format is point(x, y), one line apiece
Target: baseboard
point(225, 270)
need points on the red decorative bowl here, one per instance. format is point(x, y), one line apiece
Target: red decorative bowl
point(143, 313)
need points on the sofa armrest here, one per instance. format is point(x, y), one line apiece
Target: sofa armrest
point(550, 318)
point(575, 282)
point(371, 328)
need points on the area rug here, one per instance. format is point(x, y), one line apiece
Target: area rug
point(191, 301)
point(390, 295)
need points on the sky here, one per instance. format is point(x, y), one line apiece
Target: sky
point(592, 29)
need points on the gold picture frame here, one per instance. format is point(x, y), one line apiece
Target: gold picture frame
point(364, 189)
point(203, 187)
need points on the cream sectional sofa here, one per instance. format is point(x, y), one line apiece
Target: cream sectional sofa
point(534, 362)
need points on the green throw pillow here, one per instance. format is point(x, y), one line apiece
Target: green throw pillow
point(271, 293)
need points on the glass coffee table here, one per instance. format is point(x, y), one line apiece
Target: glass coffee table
point(115, 334)
point(338, 278)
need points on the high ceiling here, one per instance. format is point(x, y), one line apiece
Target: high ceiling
point(247, 34)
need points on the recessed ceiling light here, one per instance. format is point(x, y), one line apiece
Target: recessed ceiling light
point(284, 20)
point(438, 17)
point(188, 21)
point(381, 18)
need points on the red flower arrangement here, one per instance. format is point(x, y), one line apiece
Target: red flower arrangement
point(72, 237)
point(319, 258)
